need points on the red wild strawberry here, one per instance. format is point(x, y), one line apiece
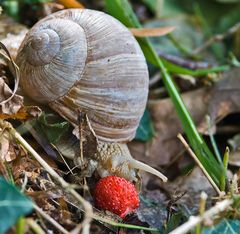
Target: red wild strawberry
point(117, 195)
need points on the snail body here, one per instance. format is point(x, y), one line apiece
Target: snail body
point(79, 59)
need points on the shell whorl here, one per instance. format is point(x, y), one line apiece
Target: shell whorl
point(52, 58)
point(108, 80)
point(43, 47)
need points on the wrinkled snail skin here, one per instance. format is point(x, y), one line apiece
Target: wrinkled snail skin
point(79, 59)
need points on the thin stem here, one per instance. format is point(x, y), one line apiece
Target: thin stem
point(199, 164)
point(115, 224)
point(217, 38)
point(213, 142)
point(50, 220)
point(195, 220)
point(87, 206)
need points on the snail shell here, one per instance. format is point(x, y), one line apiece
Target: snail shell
point(84, 59)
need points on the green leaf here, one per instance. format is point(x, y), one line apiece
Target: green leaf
point(13, 204)
point(51, 126)
point(121, 9)
point(145, 130)
point(226, 226)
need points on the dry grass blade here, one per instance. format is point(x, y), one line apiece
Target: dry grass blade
point(220, 193)
point(86, 205)
point(151, 32)
point(50, 219)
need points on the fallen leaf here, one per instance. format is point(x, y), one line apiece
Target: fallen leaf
point(165, 146)
point(218, 102)
point(71, 3)
point(13, 105)
point(7, 152)
point(24, 113)
point(151, 32)
point(225, 95)
point(152, 208)
point(192, 184)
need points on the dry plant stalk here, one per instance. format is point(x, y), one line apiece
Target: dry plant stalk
point(192, 154)
point(50, 219)
point(217, 38)
point(195, 220)
point(86, 205)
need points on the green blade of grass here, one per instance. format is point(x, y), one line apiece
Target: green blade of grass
point(122, 10)
point(174, 68)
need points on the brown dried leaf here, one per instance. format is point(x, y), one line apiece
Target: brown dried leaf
point(151, 32)
point(14, 109)
point(225, 95)
point(12, 106)
point(193, 184)
point(71, 3)
point(24, 113)
point(7, 152)
point(165, 146)
point(152, 208)
point(219, 101)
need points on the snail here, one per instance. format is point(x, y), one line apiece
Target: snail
point(84, 59)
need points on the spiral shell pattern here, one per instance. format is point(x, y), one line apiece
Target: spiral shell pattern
point(86, 60)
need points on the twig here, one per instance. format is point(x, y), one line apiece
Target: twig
point(87, 206)
point(187, 63)
point(195, 220)
point(217, 38)
point(199, 164)
point(50, 220)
